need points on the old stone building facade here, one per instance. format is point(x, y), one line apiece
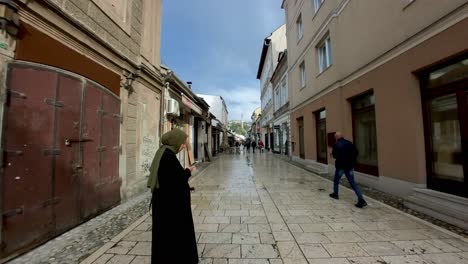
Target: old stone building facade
point(81, 88)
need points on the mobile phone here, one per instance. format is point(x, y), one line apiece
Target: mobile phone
point(195, 163)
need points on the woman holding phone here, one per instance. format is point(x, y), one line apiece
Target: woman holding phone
point(173, 229)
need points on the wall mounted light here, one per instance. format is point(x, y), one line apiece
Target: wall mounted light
point(127, 85)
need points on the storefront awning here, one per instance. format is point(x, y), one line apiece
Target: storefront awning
point(191, 105)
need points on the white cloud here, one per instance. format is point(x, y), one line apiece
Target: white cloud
point(217, 45)
point(240, 100)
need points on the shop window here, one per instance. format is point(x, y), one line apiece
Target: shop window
point(449, 74)
point(365, 133)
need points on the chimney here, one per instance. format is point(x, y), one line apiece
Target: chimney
point(190, 85)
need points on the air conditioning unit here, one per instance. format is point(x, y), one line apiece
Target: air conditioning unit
point(172, 107)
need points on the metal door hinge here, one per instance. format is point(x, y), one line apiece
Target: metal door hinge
point(119, 148)
point(52, 201)
point(13, 212)
point(101, 111)
point(54, 103)
point(16, 94)
point(98, 186)
point(120, 117)
point(53, 152)
point(14, 152)
point(101, 148)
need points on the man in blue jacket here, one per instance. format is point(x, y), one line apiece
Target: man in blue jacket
point(345, 154)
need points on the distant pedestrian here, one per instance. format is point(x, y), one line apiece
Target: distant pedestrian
point(173, 229)
point(248, 146)
point(254, 145)
point(345, 154)
point(261, 146)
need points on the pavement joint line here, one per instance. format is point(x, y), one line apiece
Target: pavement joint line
point(431, 225)
point(282, 217)
point(122, 234)
point(101, 251)
point(202, 172)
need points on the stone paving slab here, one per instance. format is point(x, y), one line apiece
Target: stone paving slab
point(258, 209)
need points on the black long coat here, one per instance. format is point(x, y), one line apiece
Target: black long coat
point(173, 231)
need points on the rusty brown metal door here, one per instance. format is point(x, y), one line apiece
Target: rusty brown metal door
point(61, 154)
point(67, 166)
point(27, 181)
point(109, 150)
point(101, 123)
point(90, 183)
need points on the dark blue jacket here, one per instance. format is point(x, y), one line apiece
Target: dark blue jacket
point(345, 154)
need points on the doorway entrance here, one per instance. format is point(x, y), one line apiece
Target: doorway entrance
point(300, 125)
point(445, 98)
point(321, 136)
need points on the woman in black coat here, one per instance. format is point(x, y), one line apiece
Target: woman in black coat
point(173, 235)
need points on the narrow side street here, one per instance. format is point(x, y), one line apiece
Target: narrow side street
point(259, 209)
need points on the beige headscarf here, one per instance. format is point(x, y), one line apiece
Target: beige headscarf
point(172, 140)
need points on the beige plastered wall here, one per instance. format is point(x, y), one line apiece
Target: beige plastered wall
point(398, 107)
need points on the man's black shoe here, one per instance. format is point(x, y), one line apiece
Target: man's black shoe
point(334, 196)
point(361, 204)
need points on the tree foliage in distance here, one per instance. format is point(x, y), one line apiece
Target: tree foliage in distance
point(237, 128)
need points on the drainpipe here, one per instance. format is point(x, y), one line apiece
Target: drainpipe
point(164, 95)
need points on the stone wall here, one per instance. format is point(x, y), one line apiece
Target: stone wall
point(88, 14)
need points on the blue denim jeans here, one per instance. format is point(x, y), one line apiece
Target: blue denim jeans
point(350, 176)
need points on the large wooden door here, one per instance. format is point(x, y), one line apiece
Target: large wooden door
point(61, 154)
point(28, 159)
point(66, 166)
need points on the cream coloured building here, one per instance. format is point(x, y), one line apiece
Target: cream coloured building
point(393, 77)
point(273, 45)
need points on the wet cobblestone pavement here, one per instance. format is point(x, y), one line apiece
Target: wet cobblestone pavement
point(398, 203)
point(258, 209)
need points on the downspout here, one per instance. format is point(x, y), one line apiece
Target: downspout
point(164, 95)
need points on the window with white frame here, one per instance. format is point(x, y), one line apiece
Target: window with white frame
point(318, 4)
point(324, 53)
point(299, 27)
point(277, 98)
point(302, 72)
point(284, 91)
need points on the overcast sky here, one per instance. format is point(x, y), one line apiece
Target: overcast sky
point(216, 44)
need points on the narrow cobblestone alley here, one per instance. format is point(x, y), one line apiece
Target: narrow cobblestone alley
point(259, 209)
